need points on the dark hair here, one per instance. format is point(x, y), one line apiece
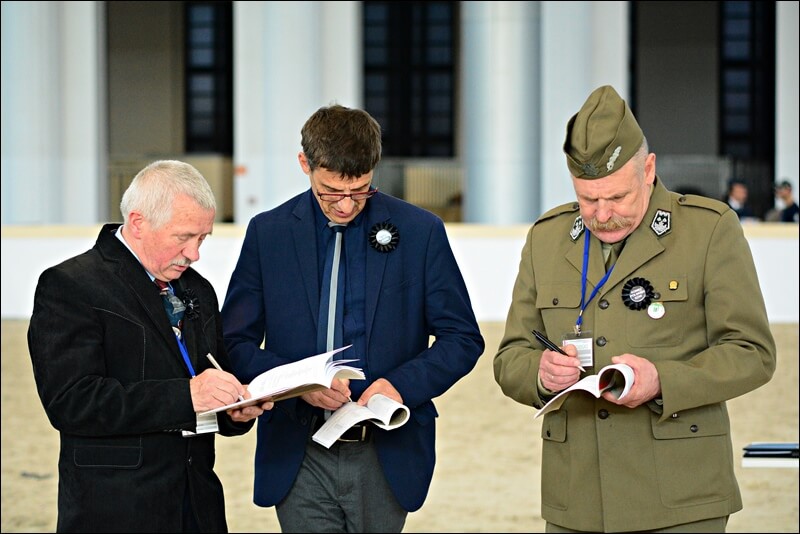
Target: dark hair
point(343, 140)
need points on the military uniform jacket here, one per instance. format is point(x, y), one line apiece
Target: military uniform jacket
point(611, 468)
point(114, 384)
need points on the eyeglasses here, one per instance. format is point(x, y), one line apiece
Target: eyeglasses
point(336, 197)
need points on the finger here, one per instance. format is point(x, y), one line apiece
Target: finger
point(225, 395)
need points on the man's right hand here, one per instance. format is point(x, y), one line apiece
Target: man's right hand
point(330, 398)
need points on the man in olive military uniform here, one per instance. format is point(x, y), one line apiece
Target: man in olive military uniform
point(681, 305)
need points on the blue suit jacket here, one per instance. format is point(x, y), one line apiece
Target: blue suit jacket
point(413, 292)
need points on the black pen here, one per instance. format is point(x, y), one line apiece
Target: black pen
point(552, 346)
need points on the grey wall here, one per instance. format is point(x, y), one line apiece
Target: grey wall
point(145, 78)
point(676, 83)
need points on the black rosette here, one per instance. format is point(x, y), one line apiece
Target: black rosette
point(192, 305)
point(384, 237)
point(638, 293)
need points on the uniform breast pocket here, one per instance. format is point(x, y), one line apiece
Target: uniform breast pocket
point(559, 303)
point(663, 322)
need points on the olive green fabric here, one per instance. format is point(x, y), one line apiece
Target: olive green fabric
point(602, 136)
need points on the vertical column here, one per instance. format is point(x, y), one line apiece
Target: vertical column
point(30, 142)
point(584, 45)
point(282, 76)
point(786, 101)
point(527, 67)
point(500, 113)
point(84, 115)
point(51, 109)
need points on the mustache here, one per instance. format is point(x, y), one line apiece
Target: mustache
point(611, 225)
point(182, 262)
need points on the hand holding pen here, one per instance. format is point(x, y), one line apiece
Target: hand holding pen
point(544, 340)
point(218, 366)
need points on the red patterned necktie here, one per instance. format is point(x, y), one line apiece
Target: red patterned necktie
point(172, 304)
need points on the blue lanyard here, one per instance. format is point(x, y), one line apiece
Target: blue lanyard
point(181, 344)
point(602, 281)
point(185, 354)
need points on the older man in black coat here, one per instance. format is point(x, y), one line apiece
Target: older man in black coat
point(123, 385)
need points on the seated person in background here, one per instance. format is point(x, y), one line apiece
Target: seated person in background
point(786, 209)
point(736, 197)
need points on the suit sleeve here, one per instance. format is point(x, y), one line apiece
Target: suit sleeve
point(89, 365)
point(741, 355)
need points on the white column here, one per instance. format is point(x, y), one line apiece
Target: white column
point(51, 108)
point(291, 59)
point(527, 68)
point(500, 88)
point(84, 148)
point(584, 45)
point(786, 94)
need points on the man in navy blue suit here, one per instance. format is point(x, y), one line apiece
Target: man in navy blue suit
point(402, 287)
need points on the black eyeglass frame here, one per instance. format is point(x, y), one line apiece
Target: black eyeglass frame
point(355, 197)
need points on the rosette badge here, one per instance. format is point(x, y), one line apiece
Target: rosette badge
point(637, 293)
point(192, 305)
point(384, 237)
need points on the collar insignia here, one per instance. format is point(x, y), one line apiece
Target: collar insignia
point(662, 222)
point(577, 228)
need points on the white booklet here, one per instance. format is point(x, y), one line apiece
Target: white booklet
point(380, 410)
point(293, 379)
point(616, 378)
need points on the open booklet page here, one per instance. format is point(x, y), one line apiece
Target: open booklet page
point(384, 412)
point(295, 378)
point(616, 378)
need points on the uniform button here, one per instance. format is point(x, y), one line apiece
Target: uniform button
point(548, 433)
point(656, 296)
point(601, 341)
point(674, 416)
point(693, 428)
point(603, 304)
point(603, 414)
point(555, 302)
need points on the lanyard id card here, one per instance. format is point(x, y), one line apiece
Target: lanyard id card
point(582, 342)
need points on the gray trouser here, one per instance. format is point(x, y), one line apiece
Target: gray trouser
point(341, 489)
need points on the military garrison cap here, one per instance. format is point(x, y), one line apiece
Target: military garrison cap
point(602, 136)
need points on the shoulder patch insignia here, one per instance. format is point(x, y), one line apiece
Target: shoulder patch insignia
point(662, 222)
point(577, 228)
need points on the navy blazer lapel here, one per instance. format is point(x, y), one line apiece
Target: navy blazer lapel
point(376, 261)
point(304, 237)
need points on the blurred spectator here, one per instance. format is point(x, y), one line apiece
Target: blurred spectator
point(786, 209)
point(736, 197)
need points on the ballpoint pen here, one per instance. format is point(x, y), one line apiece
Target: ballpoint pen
point(217, 365)
point(552, 346)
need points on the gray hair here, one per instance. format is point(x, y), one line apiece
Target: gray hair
point(640, 156)
point(155, 188)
